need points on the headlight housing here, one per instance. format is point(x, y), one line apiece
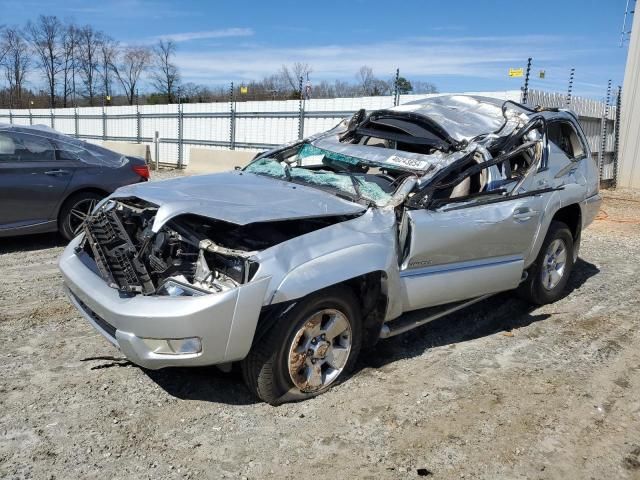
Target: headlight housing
point(175, 288)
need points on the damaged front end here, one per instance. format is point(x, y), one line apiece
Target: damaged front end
point(189, 255)
point(179, 260)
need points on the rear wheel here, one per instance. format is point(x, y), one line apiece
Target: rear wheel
point(549, 274)
point(310, 349)
point(75, 211)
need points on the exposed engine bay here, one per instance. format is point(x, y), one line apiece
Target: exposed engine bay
point(190, 255)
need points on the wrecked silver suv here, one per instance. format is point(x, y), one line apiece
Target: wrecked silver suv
point(315, 249)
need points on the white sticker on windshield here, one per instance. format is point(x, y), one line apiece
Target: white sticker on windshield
point(408, 162)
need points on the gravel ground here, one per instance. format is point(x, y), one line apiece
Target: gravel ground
point(498, 391)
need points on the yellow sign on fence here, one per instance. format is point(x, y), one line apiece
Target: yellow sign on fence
point(516, 72)
point(244, 89)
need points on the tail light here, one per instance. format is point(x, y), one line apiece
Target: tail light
point(142, 170)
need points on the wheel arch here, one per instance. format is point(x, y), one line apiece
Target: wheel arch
point(68, 195)
point(342, 266)
point(570, 215)
point(369, 289)
point(371, 292)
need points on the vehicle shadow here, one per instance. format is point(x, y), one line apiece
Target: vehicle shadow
point(208, 384)
point(30, 243)
point(502, 312)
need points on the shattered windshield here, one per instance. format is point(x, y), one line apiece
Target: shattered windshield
point(330, 171)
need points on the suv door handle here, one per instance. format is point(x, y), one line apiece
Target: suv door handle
point(524, 214)
point(57, 173)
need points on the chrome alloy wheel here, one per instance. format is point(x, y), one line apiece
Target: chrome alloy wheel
point(554, 264)
point(320, 350)
point(79, 213)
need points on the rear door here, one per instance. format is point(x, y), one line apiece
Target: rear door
point(32, 180)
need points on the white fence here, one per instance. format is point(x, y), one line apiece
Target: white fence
point(241, 125)
point(256, 125)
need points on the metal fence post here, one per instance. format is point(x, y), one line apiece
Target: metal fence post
point(396, 88)
point(603, 130)
point(30, 116)
point(525, 90)
point(53, 123)
point(232, 118)
point(10, 116)
point(138, 123)
point(301, 111)
point(571, 74)
point(180, 132)
point(77, 121)
point(616, 144)
point(104, 123)
point(156, 149)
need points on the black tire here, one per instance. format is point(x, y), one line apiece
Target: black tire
point(266, 369)
point(533, 289)
point(78, 202)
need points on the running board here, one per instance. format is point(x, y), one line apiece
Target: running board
point(408, 321)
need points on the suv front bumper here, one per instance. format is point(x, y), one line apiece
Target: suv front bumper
point(225, 322)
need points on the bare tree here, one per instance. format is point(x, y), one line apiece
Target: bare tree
point(70, 40)
point(3, 47)
point(165, 76)
point(15, 61)
point(290, 77)
point(420, 86)
point(46, 38)
point(129, 66)
point(108, 52)
point(365, 79)
point(89, 42)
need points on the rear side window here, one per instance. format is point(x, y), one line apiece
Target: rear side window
point(19, 147)
point(564, 136)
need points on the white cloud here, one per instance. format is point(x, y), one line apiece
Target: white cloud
point(209, 34)
point(486, 57)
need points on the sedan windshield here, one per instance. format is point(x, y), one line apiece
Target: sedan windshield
point(335, 172)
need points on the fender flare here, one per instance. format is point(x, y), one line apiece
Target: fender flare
point(545, 223)
point(336, 267)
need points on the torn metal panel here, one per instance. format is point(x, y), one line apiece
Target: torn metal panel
point(463, 117)
point(238, 198)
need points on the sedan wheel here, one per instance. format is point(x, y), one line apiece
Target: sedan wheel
point(79, 213)
point(75, 211)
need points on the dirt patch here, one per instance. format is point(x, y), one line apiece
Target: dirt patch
point(498, 391)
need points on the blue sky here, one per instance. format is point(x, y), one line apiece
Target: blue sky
point(458, 45)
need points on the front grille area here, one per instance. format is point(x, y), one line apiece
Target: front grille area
point(115, 254)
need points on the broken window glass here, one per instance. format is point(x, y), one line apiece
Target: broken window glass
point(333, 170)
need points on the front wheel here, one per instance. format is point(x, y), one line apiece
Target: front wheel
point(548, 275)
point(311, 348)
